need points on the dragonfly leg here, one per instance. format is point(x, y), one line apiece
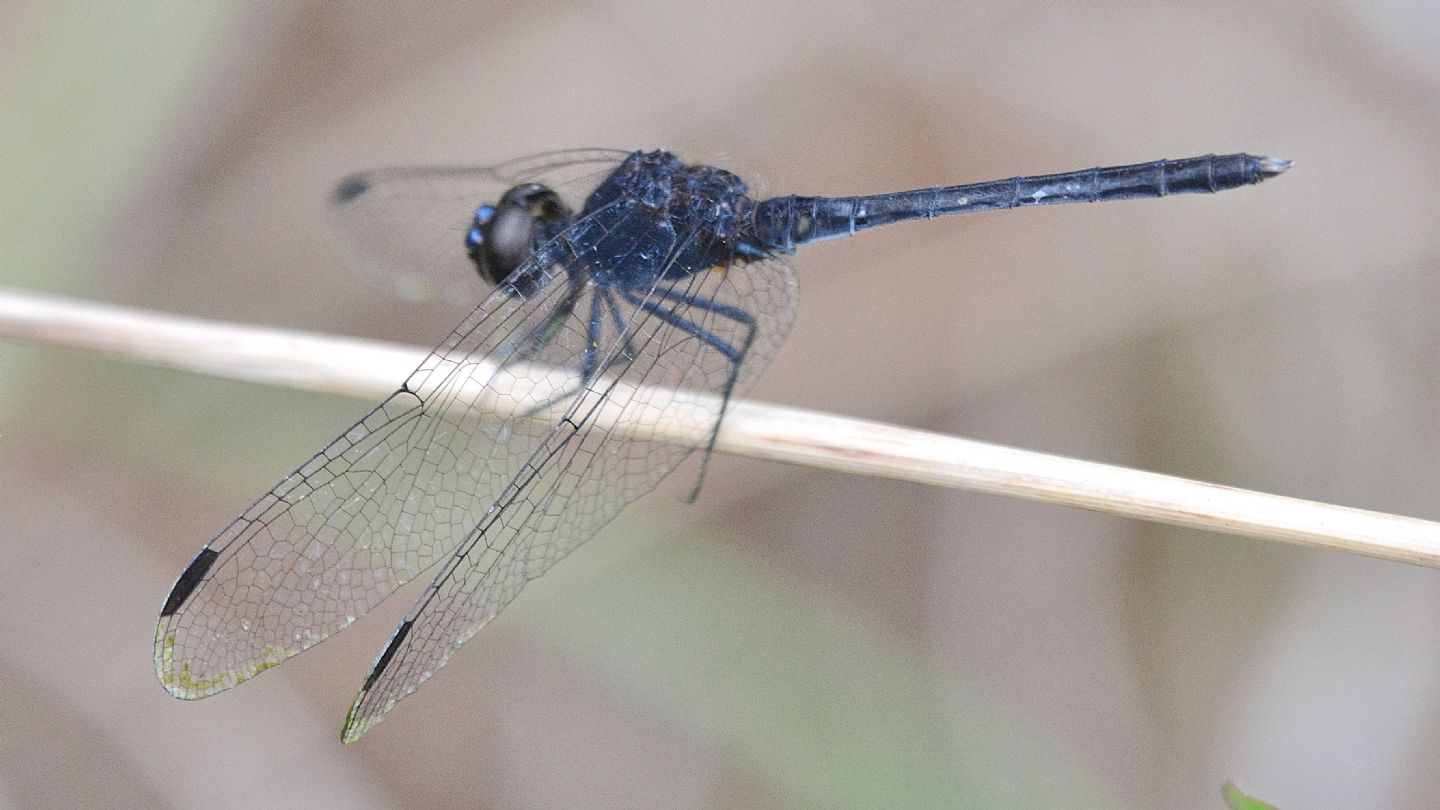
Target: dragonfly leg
point(621, 327)
point(590, 359)
point(707, 304)
point(736, 356)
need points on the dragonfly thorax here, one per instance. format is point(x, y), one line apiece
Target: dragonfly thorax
point(709, 204)
point(705, 207)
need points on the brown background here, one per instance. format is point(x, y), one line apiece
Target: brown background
point(796, 639)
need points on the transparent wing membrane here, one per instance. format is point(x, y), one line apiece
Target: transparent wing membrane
point(583, 472)
point(384, 501)
point(405, 228)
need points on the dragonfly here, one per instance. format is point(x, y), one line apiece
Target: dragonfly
point(632, 292)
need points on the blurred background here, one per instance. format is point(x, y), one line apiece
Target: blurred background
point(797, 638)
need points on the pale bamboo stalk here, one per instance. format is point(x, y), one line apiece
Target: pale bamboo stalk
point(372, 369)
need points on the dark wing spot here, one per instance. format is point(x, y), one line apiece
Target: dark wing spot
point(189, 580)
point(384, 661)
point(351, 187)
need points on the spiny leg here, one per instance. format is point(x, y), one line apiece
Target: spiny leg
point(707, 304)
point(589, 363)
point(735, 356)
point(536, 338)
point(621, 327)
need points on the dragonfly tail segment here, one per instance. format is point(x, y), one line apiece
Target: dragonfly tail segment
point(784, 223)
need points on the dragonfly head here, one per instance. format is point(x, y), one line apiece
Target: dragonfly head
point(504, 235)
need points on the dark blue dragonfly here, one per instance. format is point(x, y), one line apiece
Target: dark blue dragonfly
point(631, 291)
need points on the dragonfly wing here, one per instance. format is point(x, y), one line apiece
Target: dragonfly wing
point(386, 500)
point(405, 228)
point(605, 451)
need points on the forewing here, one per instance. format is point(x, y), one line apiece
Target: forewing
point(405, 228)
point(384, 501)
point(593, 462)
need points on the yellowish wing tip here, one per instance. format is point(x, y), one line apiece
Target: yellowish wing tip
point(184, 685)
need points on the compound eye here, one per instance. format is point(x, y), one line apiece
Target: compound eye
point(510, 239)
point(505, 235)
